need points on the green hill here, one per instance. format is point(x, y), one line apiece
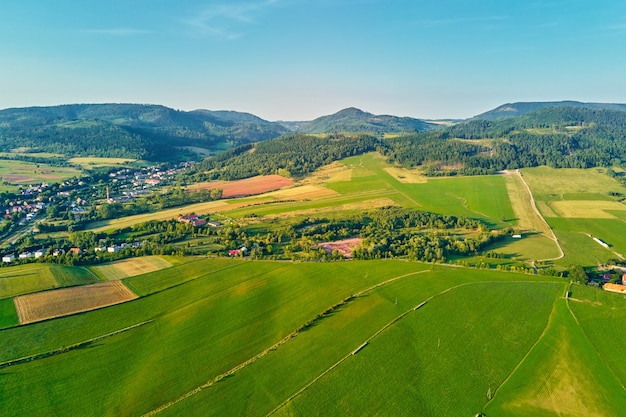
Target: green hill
point(355, 120)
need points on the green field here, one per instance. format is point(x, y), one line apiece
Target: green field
point(24, 173)
point(24, 279)
point(201, 321)
point(563, 375)
point(577, 205)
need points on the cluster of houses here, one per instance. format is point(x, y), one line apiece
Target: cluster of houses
point(194, 220)
point(74, 251)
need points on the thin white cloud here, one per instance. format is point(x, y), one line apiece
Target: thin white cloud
point(224, 20)
point(117, 31)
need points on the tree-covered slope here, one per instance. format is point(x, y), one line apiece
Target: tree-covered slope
point(127, 130)
point(522, 108)
point(560, 137)
point(294, 155)
point(355, 120)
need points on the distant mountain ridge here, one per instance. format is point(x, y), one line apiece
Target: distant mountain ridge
point(356, 120)
point(522, 108)
point(142, 131)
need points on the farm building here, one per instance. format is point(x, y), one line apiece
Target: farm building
point(75, 251)
point(517, 236)
point(193, 219)
point(615, 288)
point(113, 248)
point(26, 255)
point(40, 253)
point(237, 252)
point(8, 258)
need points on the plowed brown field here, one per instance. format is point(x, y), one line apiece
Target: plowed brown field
point(249, 186)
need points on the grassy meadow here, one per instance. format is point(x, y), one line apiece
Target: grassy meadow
point(18, 173)
point(236, 337)
point(577, 205)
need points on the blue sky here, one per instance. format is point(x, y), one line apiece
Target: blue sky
point(297, 60)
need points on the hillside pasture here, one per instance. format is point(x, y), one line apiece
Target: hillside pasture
point(216, 337)
point(589, 209)
point(333, 172)
point(429, 349)
point(25, 173)
point(249, 186)
point(526, 218)
point(66, 301)
point(406, 176)
point(550, 184)
point(96, 162)
point(563, 375)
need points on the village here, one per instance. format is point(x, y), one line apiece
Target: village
point(70, 201)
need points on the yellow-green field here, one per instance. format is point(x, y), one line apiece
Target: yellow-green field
point(586, 209)
point(95, 162)
point(24, 173)
point(131, 267)
point(578, 204)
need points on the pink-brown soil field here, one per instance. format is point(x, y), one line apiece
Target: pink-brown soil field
point(344, 247)
point(62, 302)
point(249, 186)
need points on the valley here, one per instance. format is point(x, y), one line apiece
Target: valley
point(318, 275)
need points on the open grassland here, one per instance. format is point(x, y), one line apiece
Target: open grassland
point(563, 375)
point(208, 319)
point(550, 184)
point(577, 205)
point(95, 162)
point(601, 316)
point(65, 301)
point(526, 216)
point(589, 209)
point(333, 172)
point(429, 349)
point(531, 247)
point(23, 173)
point(131, 267)
point(8, 314)
point(406, 176)
point(24, 279)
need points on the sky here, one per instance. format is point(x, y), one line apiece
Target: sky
point(298, 60)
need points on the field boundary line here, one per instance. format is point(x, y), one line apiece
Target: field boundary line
point(70, 347)
point(534, 206)
point(385, 327)
point(590, 340)
point(272, 348)
point(519, 364)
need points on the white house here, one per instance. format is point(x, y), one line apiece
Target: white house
point(8, 258)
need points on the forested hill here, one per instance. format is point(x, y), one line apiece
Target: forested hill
point(355, 120)
point(522, 108)
point(128, 130)
point(560, 137)
point(294, 155)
